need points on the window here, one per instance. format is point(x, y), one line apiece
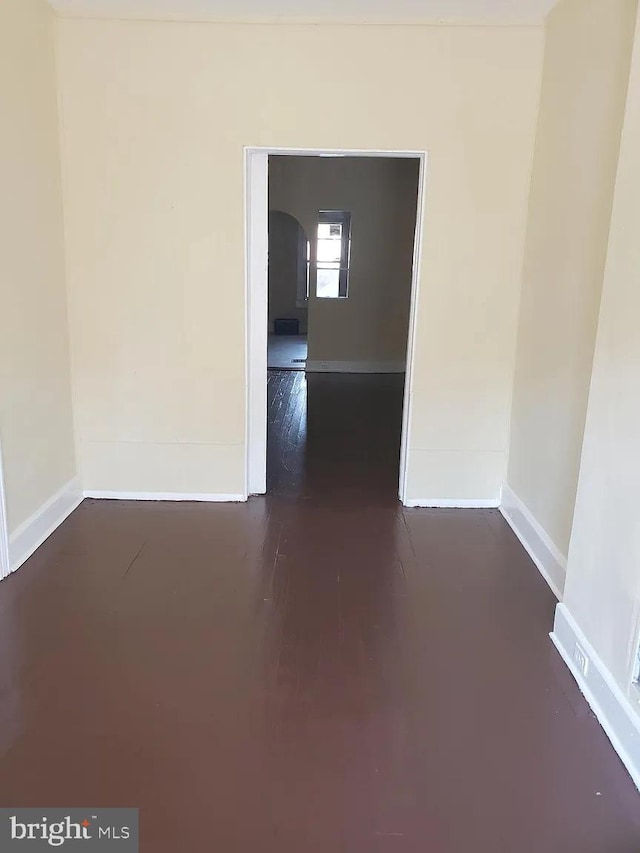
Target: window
point(304, 266)
point(334, 249)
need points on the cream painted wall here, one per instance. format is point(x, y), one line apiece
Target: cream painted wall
point(371, 324)
point(35, 395)
point(603, 576)
point(587, 56)
point(155, 119)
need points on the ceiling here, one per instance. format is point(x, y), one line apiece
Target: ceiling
point(373, 11)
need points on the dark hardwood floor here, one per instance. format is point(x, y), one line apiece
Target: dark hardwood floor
point(334, 438)
point(317, 671)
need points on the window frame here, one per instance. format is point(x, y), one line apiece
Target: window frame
point(343, 218)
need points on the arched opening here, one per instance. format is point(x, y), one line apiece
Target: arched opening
point(288, 285)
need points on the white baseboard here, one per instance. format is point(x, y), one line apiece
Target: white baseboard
point(454, 503)
point(164, 496)
point(551, 564)
point(613, 709)
point(5, 560)
point(26, 538)
point(355, 367)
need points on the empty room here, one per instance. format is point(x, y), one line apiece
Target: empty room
point(320, 425)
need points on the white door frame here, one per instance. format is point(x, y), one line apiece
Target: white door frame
point(5, 564)
point(256, 160)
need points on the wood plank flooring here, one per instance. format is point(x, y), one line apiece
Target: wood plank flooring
point(334, 437)
point(317, 671)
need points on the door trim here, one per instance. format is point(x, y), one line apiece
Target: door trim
point(256, 168)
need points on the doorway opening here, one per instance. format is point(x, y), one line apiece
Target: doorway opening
point(288, 286)
point(332, 270)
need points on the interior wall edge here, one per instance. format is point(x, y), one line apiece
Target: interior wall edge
point(519, 307)
point(62, 166)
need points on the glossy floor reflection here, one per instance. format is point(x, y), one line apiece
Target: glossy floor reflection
point(334, 439)
point(319, 670)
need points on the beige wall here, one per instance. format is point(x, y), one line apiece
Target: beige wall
point(587, 55)
point(381, 194)
point(603, 579)
point(35, 401)
point(155, 119)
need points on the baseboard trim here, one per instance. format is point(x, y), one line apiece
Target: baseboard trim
point(30, 535)
point(164, 496)
point(5, 559)
point(551, 564)
point(454, 503)
point(612, 708)
point(355, 366)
